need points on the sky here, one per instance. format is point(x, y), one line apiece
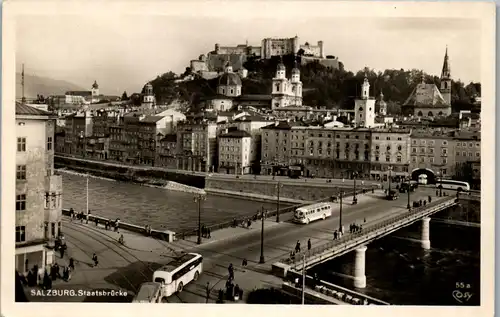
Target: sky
point(122, 52)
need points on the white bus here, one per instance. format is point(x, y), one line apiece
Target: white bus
point(454, 185)
point(313, 212)
point(178, 273)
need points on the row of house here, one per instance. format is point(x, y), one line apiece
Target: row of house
point(246, 142)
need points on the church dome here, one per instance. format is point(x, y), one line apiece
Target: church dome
point(229, 79)
point(281, 66)
point(295, 70)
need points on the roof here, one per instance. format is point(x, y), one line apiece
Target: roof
point(250, 97)
point(426, 134)
point(152, 119)
point(78, 93)
point(22, 109)
point(284, 125)
point(170, 138)
point(426, 95)
point(467, 135)
point(172, 265)
point(229, 79)
point(236, 134)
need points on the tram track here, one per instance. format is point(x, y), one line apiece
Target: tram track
point(82, 228)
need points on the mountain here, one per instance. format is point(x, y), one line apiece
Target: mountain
point(37, 85)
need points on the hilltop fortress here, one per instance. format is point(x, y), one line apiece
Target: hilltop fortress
point(211, 65)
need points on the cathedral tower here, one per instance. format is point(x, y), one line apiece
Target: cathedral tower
point(446, 79)
point(364, 108)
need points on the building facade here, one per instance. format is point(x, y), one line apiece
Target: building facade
point(167, 151)
point(236, 153)
point(197, 146)
point(38, 189)
point(432, 154)
point(390, 154)
point(364, 108)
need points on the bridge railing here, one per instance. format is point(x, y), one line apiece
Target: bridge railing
point(346, 239)
point(347, 193)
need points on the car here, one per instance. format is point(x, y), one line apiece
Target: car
point(392, 195)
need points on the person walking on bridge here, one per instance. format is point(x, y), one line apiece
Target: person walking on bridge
point(297, 247)
point(309, 244)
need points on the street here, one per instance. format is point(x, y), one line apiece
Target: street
point(126, 268)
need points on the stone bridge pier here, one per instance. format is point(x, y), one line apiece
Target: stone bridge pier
point(425, 239)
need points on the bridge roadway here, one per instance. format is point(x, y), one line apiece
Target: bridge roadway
point(126, 267)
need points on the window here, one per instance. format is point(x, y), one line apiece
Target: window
point(21, 202)
point(422, 150)
point(478, 154)
point(431, 159)
point(388, 148)
point(458, 144)
point(458, 153)
point(399, 147)
point(470, 144)
point(53, 229)
point(445, 142)
point(357, 136)
point(414, 150)
point(398, 158)
point(376, 158)
point(414, 159)
point(387, 158)
point(445, 151)
point(49, 143)
point(431, 151)
point(414, 142)
point(20, 234)
point(388, 138)
point(464, 153)
point(376, 138)
point(445, 160)
point(377, 147)
point(422, 159)
point(21, 144)
point(470, 154)
point(21, 172)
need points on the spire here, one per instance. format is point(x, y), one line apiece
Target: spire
point(445, 73)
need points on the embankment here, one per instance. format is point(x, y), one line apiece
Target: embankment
point(293, 191)
point(137, 174)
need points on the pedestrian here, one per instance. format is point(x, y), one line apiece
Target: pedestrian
point(249, 223)
point(364, 220)
point(430, 199)
point(61, 249)
point(207, 290)
point(96, 221)
point(335, 234)
point(209, 232)
point(373, 190)
point(297, 247)
point(81, 217)
point(425, 202)
point(231, 271)
point(71, 214)
point(244, 262)
point(236, 293)
point(72, 263)
point(94, 258)
point(309, 244)
point(437, 192)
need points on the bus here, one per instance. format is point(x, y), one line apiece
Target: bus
point(452, 184)
point(175, 275)
point(313, 212)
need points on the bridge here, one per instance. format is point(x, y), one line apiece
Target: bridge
point(358, 242)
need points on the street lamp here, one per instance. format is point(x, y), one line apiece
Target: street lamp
point(263, 214)
point(409, 189)
point(354, 199)
point(341, 193)
point(278, 187)
point(440, 182)
point(390, 174)
point(198, 199)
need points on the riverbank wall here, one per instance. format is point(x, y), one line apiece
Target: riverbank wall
point(306, 192)
point(136, 174)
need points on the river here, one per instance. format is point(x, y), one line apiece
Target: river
point(141, 205)
point(400, 272)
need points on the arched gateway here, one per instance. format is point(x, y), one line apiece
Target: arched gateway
point(431, 177)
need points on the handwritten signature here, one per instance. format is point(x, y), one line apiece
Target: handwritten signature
point(461, 297)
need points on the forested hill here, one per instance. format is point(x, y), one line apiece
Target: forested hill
point(323, 87)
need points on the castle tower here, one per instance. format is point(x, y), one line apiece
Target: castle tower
point(446, 79)
point(296, 86)
point(148, 100)
point(364, 109)
point(280, 87)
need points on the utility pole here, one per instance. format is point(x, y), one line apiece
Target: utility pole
point(354, 199)
point(87, 210)
point(303, 279)
point(409, 189)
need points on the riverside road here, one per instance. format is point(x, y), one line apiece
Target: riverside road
point(125, 268)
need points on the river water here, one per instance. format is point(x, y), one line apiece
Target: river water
point(141, 205)
point(400, 272)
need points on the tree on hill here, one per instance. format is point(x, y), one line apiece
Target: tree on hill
point(323, 86)
point(124, 96)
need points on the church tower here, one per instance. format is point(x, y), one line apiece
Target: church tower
point(95, 91)
point(148, 100)
point(364, 109)
point(446, 79)
point(296, 86)
point(280, 87)
point(382, 105)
